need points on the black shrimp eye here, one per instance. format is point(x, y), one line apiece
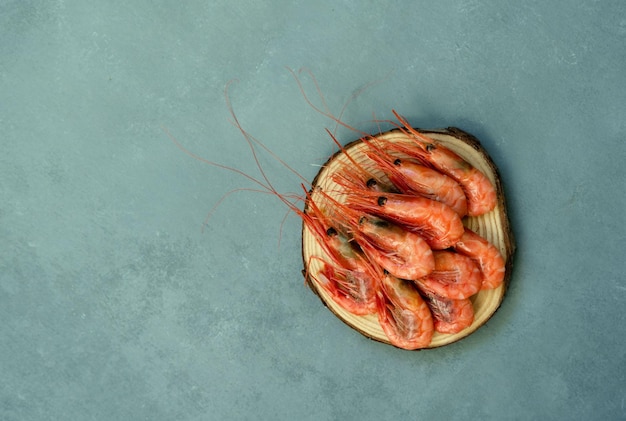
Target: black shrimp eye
point(382, 200)
point(397, 162)
point(430, 147)
point(371, 183)
point(331, 232)
point(362, 219)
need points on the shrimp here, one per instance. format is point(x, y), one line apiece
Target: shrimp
point(352, 289)
point(455, 276)
point(403, 314)
point(436, 222)
point(487, 256)
point(347, 275)
point(412, 178)
point(450, 316)
point(480, 193)
point(401, 252)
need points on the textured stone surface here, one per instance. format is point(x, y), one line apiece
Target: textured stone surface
point(115, 305)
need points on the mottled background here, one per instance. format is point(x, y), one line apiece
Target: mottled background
point(115, 305)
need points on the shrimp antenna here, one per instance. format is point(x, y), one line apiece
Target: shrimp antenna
point(249, 138)
point(357, 93)
point(250, 141)
point(226, 195)
point(352, 97)
point(325, 112)
point(215, 164)
point(408, 129)
point(352, 160)
point(266, 188)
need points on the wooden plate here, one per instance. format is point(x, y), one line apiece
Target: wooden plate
point(494, 226)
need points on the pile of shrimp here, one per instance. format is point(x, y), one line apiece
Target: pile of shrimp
point(391, 228)
point(391, 232)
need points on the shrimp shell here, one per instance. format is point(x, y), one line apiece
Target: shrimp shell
point(353, 289)
point(455, 276)
point(403, 314)
point(487, 256)
point(450, 316)
point(402, 253)
point(412, 178)
point(480, 192)
point(436, 222)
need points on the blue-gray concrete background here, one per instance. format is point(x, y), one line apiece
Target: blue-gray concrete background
point(115, 305)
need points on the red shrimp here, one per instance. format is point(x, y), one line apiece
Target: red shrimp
point(402, 253)
point(352, 289)
point(412, 178)
point(480, 192)
point(450, 316)
point(347, 275)
point(487, 256)
point(455, 276)
point(403, 314)
point(399, 251)
point(436, 222)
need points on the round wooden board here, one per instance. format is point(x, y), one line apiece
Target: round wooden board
point(494, 226)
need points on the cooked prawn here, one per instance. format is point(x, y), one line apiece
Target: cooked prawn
point(397, 250)
point(450, 316)
point(402, 253)
point(403, 314)
point(436, 222)
point(455, 276)
point(480, 192)
point(347, 275)
point(412, 178)
point(487, 256)
point(352, 289)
